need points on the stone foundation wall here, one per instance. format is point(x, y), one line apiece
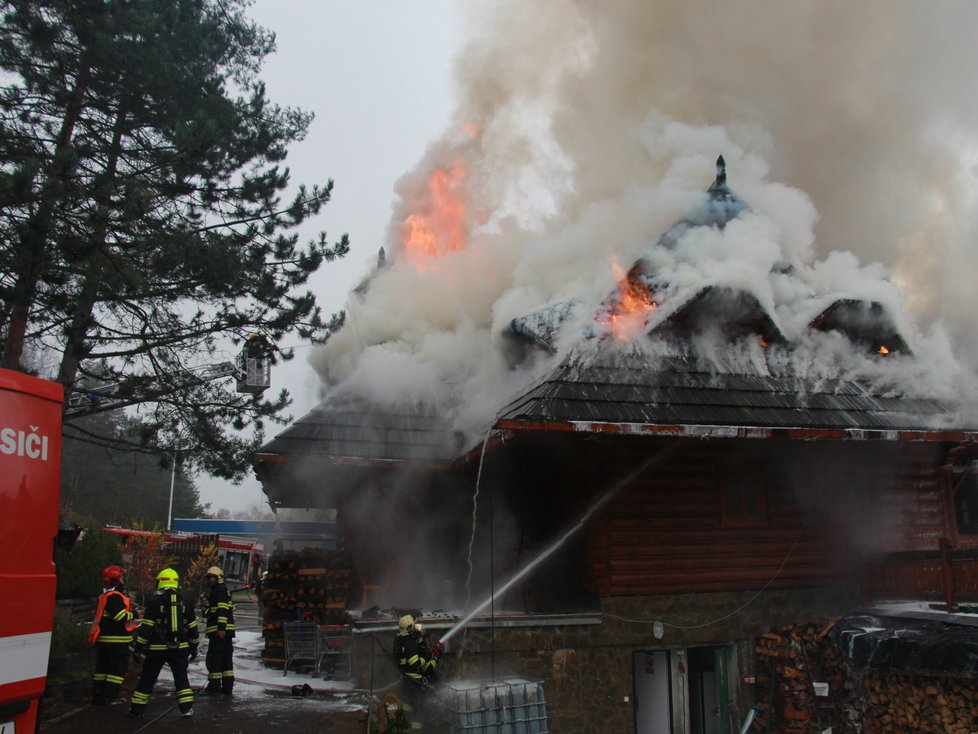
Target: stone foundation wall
point(586, 668)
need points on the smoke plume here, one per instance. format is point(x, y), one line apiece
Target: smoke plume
point(586, 129)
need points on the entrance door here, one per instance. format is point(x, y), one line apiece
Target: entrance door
point(653, 699)
point(709, 698)
point(682, 691)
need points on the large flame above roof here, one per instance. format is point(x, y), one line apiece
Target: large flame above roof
point(626, 311)
point(437, 226)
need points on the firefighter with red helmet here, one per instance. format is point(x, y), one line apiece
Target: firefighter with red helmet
point(111, 633)
point(220, 633)
point(167, 635)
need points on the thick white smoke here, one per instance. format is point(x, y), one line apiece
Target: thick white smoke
point(586, 129)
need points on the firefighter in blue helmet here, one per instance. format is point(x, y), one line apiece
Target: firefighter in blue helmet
point(111, 633)
point(167, 635)
point(220, 633)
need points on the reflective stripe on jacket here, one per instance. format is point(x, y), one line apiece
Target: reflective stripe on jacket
point(113, 619)
point(168, 624)
point(220, 611)
point(414, 660)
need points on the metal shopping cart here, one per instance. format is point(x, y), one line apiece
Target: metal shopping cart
point(302, 645)
point(335, 651)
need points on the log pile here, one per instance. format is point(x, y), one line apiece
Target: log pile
point(307, 585)
point(790, 662)
point(911, 702)
point(791, 659)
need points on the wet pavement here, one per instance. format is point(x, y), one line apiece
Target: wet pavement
point(246, 716)
point(262, 700)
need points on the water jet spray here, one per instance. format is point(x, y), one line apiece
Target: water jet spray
point(560, 541)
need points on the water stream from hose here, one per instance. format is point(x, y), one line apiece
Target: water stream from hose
point(601, 501)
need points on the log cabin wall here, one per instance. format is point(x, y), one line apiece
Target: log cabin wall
point(737, 515)
point(950, 577)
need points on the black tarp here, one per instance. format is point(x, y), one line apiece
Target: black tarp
point(900, 643)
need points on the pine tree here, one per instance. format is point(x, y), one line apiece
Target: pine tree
point(142, 212)
point(101, 485)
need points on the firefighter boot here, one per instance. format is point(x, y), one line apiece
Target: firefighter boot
point(213, 684)
point(98, 690)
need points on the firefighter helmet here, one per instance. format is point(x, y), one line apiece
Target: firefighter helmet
point(215, 571)
point(405, 624)
point(112, 575)
point(167, 579)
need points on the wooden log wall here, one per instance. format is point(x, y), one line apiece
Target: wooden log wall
point(669, 531)
point(312, 585)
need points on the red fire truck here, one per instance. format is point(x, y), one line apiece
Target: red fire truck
point(30, 475)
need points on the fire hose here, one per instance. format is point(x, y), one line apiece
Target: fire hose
point(149, 723)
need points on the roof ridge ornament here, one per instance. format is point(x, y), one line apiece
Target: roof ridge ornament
point(720, 192)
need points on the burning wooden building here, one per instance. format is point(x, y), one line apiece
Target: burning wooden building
point(698, 485)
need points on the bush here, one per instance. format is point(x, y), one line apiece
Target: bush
point(80, 570)
point(69, 637)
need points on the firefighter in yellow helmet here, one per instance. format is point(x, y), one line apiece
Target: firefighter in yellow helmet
point(167, 635)
point(417, 663)
point(220, 633)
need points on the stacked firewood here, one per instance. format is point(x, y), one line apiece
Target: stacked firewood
point(911, 702)
point(307, 585)
point(800, 681)
point(792, 661)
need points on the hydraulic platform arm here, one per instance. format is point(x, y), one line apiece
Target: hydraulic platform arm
point(251, 369)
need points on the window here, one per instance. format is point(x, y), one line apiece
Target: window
point(966, 504)
point(743, 500)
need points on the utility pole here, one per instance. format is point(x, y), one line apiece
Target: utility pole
point(173, 481)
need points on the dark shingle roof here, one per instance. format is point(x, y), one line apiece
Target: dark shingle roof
point(346, 428)
point(635, 388)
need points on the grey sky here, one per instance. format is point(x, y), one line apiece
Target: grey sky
point(378, 75)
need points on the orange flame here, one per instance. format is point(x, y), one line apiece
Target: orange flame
point(883, 350)
point(627, 310)
point(440, 227)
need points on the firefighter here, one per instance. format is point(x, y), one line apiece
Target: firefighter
point(111, 633)
point(167, 635)
point(417, 664)
point(258, 346)
point(220, 633)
